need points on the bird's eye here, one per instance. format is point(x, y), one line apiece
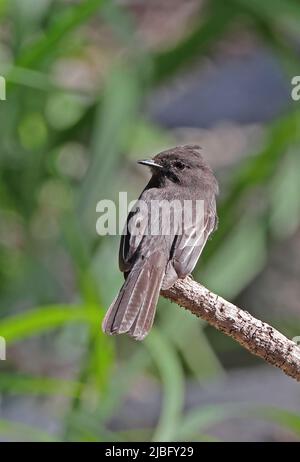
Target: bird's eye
point(179, 165)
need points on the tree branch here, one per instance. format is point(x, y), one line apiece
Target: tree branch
point(256, 336)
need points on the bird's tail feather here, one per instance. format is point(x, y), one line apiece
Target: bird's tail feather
point(133, 309)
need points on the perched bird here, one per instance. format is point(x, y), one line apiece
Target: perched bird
point(152, 260)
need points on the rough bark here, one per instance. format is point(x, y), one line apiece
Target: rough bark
point(256, 336)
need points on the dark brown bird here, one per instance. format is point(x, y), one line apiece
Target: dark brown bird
point(154, 260)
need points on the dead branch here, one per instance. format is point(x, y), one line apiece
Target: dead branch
point(257, 336)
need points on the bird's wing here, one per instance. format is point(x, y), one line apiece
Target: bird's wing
point(136, 229)
point(131, 238)
point(145, 223)
point(187, 247)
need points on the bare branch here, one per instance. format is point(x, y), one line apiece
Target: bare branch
point(256, 336)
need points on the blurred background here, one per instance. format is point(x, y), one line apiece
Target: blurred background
point(92, 86)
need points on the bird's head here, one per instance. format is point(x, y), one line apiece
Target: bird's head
point(182, 165)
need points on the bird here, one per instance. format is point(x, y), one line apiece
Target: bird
point(154, 261)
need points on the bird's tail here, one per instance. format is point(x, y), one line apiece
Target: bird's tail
point(133, 309)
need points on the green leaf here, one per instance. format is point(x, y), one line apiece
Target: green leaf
point(112, 126)
point(46, 318)
point(287, 419)
point(255, 171)
point(241, 257)
point(274, 10)
point(63, 25)
point(284, 194)
point(195, 422)
point(26, 384)
point(176, 320)
point(173, 386)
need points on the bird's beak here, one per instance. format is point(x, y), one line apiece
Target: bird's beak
point(149, 163)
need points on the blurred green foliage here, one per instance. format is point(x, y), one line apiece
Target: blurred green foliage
point(61, 151)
